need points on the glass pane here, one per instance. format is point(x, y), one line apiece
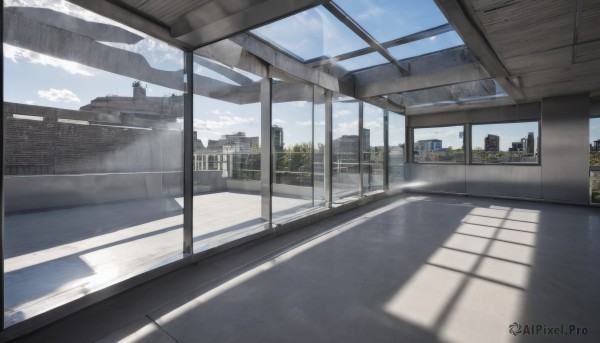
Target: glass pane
point(386, 20)
point(505, 143)
point(292, 137)
point(345, 173)
point(460, 93)
point(373, 148)
point(319, 146)
point(311, 34)
point(424, 46)
point(93, 155)
point(364, 61)
point(227, 117)
point(396, 137)
point(595, 186)
point(439, 145)
point(595, 142)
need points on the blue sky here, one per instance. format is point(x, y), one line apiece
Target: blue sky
point(449, 135)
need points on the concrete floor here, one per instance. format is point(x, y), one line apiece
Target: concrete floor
point(418, 268)
point(56, 256)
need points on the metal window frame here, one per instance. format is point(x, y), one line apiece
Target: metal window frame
point(361, 108)
point(188, 156)
point(386, 150)
point(2, 182)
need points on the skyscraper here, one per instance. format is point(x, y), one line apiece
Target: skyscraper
point(492, 143)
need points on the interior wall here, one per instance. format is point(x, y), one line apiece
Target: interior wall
point(564, 142)
point(565, 148)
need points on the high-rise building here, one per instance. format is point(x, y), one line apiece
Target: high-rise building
point(366, 139)
point(530, 143)
point(492, 143)
point(277, 136)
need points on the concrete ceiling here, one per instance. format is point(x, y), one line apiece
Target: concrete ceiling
point(551, 46)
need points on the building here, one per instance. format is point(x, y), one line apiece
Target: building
point(237, 142)
point(277, 136)
point(139, 105)
point(118, 224)
point(492, 143)
point(428, 145)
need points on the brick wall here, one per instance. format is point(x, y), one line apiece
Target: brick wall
point(50, 147)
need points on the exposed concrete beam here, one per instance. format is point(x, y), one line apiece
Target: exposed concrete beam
point(223, 70)
point(217, 20)
point(28, 33)
point(292, 67)
point(479, 46)
point(386, 104)
point(97, 31)
point(362, 33)
point(233, 55)
point(131, 19)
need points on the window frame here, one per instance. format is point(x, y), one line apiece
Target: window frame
point(412, 144)
point(539, 142)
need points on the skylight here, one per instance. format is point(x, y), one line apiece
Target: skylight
point(311, 34)
point(389, 19)
point(361, 62)
point(427, 45)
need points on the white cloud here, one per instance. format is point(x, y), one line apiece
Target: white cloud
point(225, 119)
point(30, 102)
point(341, 113)
point(15, 54)
point(375, 124)
point(279, 121)
point(373, 12)
point(58, 95)
point(347, 128)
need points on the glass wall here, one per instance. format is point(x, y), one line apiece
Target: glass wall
point(372, 148)
point(396, 149)
point(345, 147)
point(293, 150)
point(595, 160)
point(439, 145)
point(227, 124)
point(93, 155)
point(506, 143)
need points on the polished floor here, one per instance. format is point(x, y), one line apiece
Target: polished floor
point(411, 268)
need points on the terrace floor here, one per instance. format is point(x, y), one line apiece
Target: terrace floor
point(56, 256)
point(410, 268)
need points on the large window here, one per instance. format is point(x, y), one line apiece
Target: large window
point(93, 155)
point(227, 154)
point(507, 143)
point(396, 149)
point(372, 148)
point(595, 160)
point(439, 145)
point(345, 147)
